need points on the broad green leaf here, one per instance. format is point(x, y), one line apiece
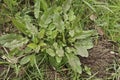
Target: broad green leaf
point(88, 44)
point(58, 22)
point(51, 26)
point(60, 52)
point(35, 39)
point(42, 44)
point(16, 43)
point(13, 41)
point(66, 6)
point(85, 34)
point(46, 17)
point(54, 34)
point(82, 51)
point(41, 33)
point(74, 62)
point(50, 52)
point(58, 59)
point(9, 38)
point(55, 44)
point(25, 60)
point(37, 8)
point(31, 28)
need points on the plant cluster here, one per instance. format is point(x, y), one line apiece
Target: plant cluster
point(47, 28)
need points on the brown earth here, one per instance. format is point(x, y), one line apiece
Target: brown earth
point(101, 57)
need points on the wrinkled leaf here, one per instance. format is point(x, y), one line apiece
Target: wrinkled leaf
point(74, 63)
point(12, 41)
point(58, 22)
point(82, 51)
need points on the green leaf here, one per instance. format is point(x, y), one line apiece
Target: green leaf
point(55, 44)
point(9, 38)
point(46, 17)
point(32, 45)
point(13, 41)
point(58, 59)
point(74, 62)
point(54, 34)
point(66, 6)
point(82, 51)
point(58, 22)
point(87, 70)
point(87, 43)
point(25, 60)
point(20, 25)
point(32, 60)
point(71, 33)
point(41, 33)
point(71, 15)
point(85, 34)
point(60, 52)
point(50, 52)
point(37, 8)
point(31, 28)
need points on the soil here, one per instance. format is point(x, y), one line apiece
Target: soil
point(101, 57)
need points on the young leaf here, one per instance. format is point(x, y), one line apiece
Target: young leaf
point(32, 45)
point(58, 59)
point(37, 8)
point(74, 62)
